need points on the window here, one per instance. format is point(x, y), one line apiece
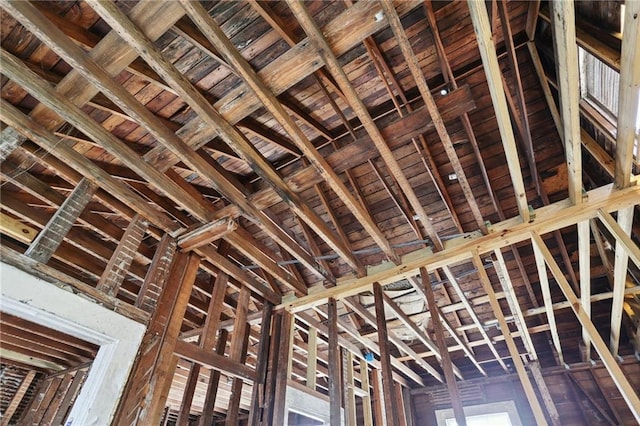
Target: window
point(599, 89)
point(494, 419)
point(599, 84)
point(495, 414)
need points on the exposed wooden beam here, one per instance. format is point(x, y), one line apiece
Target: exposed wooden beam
point(536, 372)
point(511, 345)
point(626, 390)
point(110, 53)
point(14, 69)
point(625, 248)
point(511, 231)
point(447, 365)
point(217, 37)
point(425, 93)
point(319, 41)
point(629, 96)
point(227, 266)
point(487, 48)
point(584, 259)
point(390, 402)
point(369, 318)
point(566, 50)
point(546, 294)
point(213, 361)
point(521, 114)
point(132, 35)
point(502, 271)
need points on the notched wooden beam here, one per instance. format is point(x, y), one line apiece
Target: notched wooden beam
point(207, 233)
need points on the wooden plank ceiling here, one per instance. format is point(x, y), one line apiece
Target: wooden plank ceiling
point(296, 146)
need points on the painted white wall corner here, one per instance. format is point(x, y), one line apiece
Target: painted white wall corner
point(36, 300)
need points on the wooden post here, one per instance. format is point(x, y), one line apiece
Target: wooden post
point(145, 394)
point(447, 365)
point(280, 392)
point(350, 400)
point(378, 399)
point(312, 354)
point(335, 390)
point(214, 379)
point(385, 358)
point(257, 394)
point(367, 414)
point(237, 351)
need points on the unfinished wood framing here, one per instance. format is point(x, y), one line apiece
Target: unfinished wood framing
point(264, 186)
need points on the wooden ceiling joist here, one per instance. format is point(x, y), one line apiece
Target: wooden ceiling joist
point(215, 35)
point(319, 41)
point(487, 48)
point(80, 91)
point(510, 231)
point(213, 119)
point(243, 160)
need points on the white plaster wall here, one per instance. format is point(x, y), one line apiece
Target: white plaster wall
point(119, 337)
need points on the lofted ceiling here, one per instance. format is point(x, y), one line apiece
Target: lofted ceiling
point(297, 147)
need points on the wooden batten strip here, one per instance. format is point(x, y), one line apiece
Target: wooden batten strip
point(123, 256)
point(49, 239)
point(157, 274)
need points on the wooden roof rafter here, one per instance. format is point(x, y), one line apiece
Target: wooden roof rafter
point(217, 37)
